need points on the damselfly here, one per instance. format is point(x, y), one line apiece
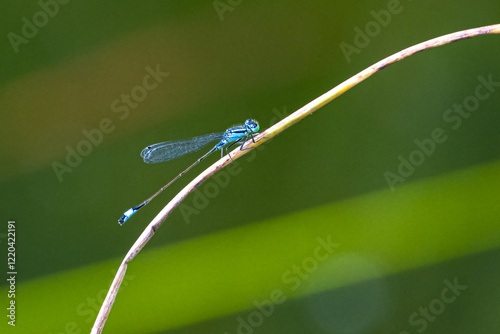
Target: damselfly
point(173, 149)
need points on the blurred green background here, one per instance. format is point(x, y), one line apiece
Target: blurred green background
point(252, 231)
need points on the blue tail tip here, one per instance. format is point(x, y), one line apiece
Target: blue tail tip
point(126, 216)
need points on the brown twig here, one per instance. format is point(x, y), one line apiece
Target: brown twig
point(279, 127)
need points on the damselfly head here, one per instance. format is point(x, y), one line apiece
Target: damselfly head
point(252, 125)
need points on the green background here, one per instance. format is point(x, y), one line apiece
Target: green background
point(323, 178)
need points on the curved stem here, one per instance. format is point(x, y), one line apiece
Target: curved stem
point(279, 127)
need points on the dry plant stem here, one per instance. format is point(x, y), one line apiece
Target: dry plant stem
point(262, 138)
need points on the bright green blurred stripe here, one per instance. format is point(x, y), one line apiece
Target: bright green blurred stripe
point(378, 234)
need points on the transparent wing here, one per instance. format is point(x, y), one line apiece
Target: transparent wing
point(173, 149)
